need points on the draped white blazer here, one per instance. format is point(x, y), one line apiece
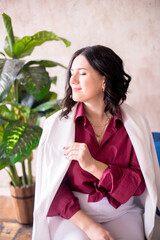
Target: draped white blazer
point(52, 165)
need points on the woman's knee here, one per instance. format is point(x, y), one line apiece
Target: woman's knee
point(63, 229)
point(128, 226)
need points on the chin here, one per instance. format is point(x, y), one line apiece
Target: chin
point(76, 98)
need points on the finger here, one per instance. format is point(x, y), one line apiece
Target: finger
point(71, 151)
point(71, 145)
point(72, 156)
point(76, 145)
point(110, 237)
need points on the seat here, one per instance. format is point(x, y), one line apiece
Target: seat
point(156, 137)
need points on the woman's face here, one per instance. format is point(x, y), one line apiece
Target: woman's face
point(87, 84)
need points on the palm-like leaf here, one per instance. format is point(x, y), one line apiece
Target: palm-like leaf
point(1, 132)
point(2, 54)
point(45, 63)
point(46, 106)
point(14, 112)
point(25, 93)
point(18, 141)
point(8, 75)
point(2, 61)
point(8, 26)
point(7, 48)
point(26, 45)
point(36, 81)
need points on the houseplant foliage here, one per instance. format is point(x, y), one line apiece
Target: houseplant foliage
point(25, 97)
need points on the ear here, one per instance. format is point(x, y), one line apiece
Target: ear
point(103, 83)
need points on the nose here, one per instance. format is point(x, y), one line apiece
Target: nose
point(74, 79)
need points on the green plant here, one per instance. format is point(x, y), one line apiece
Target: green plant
point(25, 97)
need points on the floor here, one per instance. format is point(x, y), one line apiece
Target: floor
point(10, 229)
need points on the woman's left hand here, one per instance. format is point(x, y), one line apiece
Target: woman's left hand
point(81, 153)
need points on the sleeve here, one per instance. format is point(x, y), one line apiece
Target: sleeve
point(64, 204)
point(122, 183)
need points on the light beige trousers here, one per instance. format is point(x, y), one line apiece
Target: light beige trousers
point(124, 223)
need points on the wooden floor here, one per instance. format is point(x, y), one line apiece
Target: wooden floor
point(10, 229)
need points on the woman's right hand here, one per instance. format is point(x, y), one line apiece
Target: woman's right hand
point(93, 230)
point(97, 232)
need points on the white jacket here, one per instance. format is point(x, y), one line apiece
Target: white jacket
point(52, 165)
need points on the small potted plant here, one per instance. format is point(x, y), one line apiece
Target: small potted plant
point(25, 97)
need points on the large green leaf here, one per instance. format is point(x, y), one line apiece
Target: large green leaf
point(2, 54)
point(14, 112)
point(36, 81)
point(11, 95)
point(46, 106)
point(51, 112)
point(1, 132)
point(7, 48)
point(8, 26)
point(45, 63)
point(26, 45)
point(2, 61)
point(2, 121)
point(54, 80)
point(18, 141)
point(9, 72)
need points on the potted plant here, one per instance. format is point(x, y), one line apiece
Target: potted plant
point(25, 97)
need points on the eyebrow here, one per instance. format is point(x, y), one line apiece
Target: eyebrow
point(79, 69)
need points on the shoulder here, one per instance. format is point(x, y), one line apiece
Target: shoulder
point(130, 110)
point(48, 124)
point(53, 117)
point(56, 117)
point(131, 114)
point(137, 127)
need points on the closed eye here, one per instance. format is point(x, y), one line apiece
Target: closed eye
point(82, 73)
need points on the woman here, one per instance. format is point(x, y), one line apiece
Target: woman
point(92, 178)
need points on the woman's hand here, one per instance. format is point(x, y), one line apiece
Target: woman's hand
point(98, 232)
point(81, 153)
point(93, 230)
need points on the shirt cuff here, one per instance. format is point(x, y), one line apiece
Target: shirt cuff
point(70, 209)
point(106, 179)
point(65, 210)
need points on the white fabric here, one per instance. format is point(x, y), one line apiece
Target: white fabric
point(52, 165)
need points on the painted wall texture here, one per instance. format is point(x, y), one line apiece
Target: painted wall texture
point(130, 28)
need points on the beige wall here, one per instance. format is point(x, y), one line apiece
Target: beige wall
point(130, 27)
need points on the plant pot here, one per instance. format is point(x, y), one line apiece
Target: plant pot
point(23, 202)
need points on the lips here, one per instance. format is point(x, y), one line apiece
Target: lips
point(76, 89)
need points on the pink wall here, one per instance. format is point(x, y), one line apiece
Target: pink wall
point(131, 28)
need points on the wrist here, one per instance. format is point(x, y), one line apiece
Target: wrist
point(97, 168)
point(81, 220)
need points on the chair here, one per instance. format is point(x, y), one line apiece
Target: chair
point(156, 137)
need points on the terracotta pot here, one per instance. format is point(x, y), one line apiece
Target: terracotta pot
point(23, 202)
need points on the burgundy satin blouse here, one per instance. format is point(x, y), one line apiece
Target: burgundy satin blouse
point(121, 180)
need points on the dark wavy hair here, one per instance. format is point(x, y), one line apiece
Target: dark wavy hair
point(107, 63)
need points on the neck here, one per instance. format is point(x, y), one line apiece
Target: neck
point(95, 111)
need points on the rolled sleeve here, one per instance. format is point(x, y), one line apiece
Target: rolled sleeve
point(122, 183)
point(64, 204)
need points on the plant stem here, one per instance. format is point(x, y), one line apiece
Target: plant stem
point(14, 176)
point(24, 177)
point(30, 169)
point(16, 91)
